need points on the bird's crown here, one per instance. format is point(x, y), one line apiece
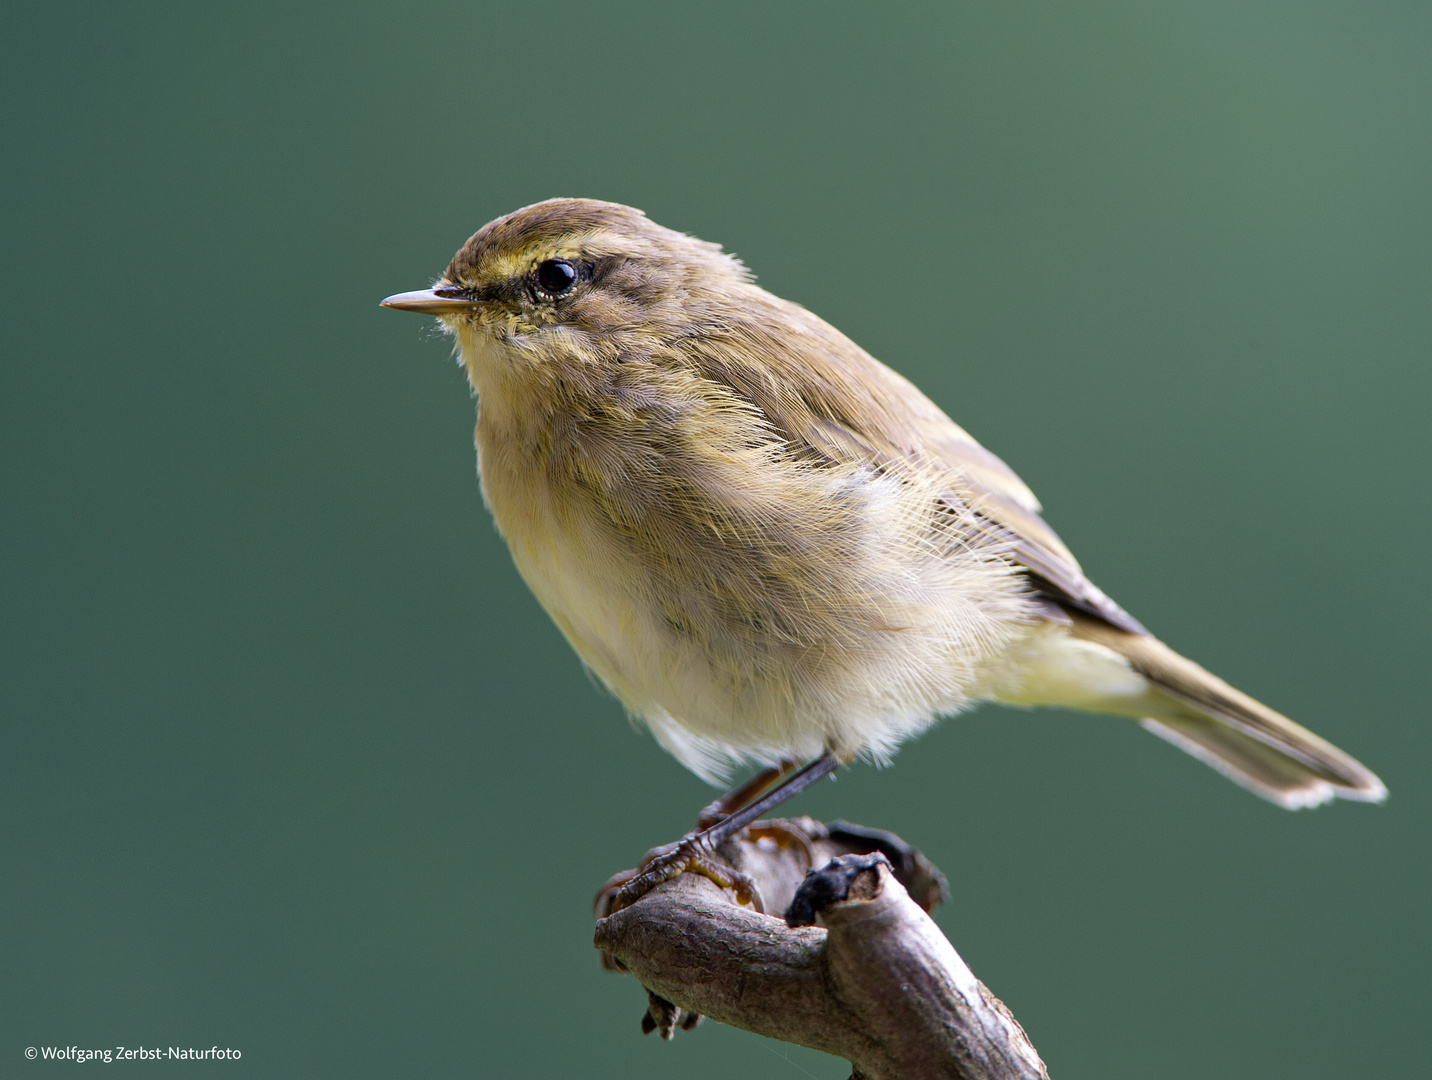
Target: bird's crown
point(556, 253)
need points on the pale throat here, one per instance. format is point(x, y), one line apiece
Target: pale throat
point(493, 365)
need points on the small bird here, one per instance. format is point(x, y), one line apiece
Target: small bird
point(771, 547)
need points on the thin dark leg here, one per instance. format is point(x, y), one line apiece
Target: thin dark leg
point(793, 785)
point(693, 853)
point(733, 800)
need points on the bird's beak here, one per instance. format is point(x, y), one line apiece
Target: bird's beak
point(441, 300)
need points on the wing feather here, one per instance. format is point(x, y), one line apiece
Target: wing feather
point(834, 401)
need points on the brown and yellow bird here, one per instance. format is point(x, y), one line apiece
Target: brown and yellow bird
point(773, 548)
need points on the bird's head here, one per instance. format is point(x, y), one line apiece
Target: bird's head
point(575, 280)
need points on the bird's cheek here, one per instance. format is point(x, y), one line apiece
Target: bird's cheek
point(484, 329)
point(471, 334)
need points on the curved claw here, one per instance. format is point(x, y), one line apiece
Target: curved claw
point(665, 1017)
point(687, 857)
point(602, 902)
point(784, 835)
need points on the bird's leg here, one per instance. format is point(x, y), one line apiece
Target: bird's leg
point(713, 814)
point(733, 800)
point(693, 853)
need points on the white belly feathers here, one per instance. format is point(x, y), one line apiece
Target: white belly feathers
point(858, 682)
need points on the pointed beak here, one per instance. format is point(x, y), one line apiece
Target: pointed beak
point(442, 300)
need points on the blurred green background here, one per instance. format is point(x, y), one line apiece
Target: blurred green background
point(292, 763)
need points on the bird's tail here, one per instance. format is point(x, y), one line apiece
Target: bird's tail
point(1243, 739)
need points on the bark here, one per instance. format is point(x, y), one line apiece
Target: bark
point(856, 968)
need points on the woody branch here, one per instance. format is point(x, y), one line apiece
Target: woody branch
point(856, 968)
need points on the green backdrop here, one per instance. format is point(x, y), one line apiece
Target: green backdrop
point(293, 764)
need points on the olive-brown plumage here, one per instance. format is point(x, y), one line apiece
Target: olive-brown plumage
point(768, 544)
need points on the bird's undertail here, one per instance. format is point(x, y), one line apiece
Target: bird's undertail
point(1242, 738)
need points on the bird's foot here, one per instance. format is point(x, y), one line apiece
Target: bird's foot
point(661, 1015)
point(691, 855)
point(781, 835)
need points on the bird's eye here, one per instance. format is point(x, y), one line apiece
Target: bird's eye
point(556, 276)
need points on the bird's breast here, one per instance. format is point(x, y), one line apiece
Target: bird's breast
point(744, 603)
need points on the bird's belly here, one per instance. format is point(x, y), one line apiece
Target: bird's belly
point(589, 593)
point(850, 649)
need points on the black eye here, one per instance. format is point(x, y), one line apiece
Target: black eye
point(556, 276)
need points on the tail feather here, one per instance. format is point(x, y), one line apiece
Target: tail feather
point(1242, 738)
point(1252, 764)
